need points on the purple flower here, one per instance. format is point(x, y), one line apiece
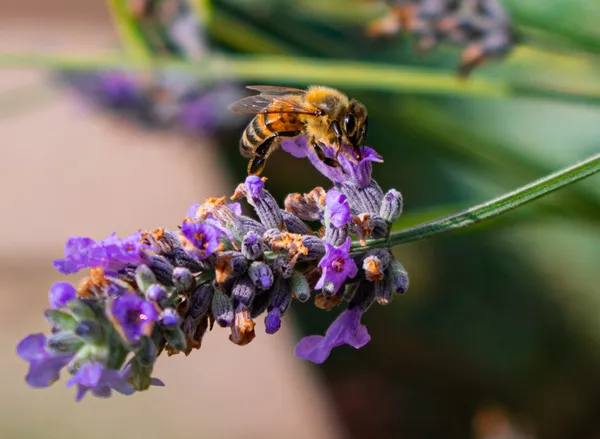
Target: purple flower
point(60, 294)
point(254, 185)
point(346, 329)
point(349, 170)
point(111, 253)
point(132, 316)
point(92, 376)
point(198, 114)
point(337, 209)
point(203, 239)
point(44, 366)
point(337, 266)
point(117, 89)
point(170, 318)
point(273, 321)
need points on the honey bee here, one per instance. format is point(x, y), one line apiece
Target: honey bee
point(325, 115)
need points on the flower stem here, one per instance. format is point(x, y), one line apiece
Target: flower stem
point(492, 208)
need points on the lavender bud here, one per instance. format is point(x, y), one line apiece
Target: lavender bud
point(183, 279)
point(261, 275)
point(242, 292)
point(176, 338)
point(90, 331)
point(293, 224)
point(396, 278)
point(363, 297)
point(60, 320)
point(336, 236)
point(282, 267)
point(263, 202)
point(147, 352)
point(281, 297)
point(383, 295)
point(230, 264)
point(299, 286)
point(315, 246)
point(375, 263)
point(260, 303)
point(252, 225)
point(162, 269)
point(180, 258)
point(200, 301)
point(144, 277)
point(64, 343)
point(363, 200)
point(252, 246)
point(81, 309)
point(379, 227)
point(156, 293)
point(170, 318)
point(271, 235)
point(221, 309)
point(391, 206)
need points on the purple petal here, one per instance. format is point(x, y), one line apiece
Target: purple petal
point(297, 147)
point(60, 294)
point(313, 348)
point(254, 185)
point(32, 347)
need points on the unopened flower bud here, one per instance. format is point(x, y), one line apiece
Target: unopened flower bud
point(183, 279)
point(230, 264)
point(156, 293)
point(144, 277)
point(261, 275)
point(90, 331)
point(252, 246)
point(162, 269)
point(170, 318)
point(200, 301)
point(396, 277)
point(391, 206)
point(64, 342)
point(147, 352)
point(180, 258)
point(282, 266)
point(383, 295)
point(221, 309)
point(60, 294)
point(363, 297)
point(315, 247)
point(252, 225)
point(260, 303)
point(281, 297)
point(336, 236)
point(242, 292)
point(299, 286)
point(60, 320)
point(263, 202)
point(363, 200)
point(293, 224)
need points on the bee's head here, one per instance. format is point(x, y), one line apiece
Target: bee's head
point(354, 126)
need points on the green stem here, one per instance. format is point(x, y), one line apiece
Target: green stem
point(492, 208)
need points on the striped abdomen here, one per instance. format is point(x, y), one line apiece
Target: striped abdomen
point(264, 127)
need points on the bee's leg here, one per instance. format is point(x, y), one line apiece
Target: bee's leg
point(261, 154)
point(338, 132)
point(321, 155)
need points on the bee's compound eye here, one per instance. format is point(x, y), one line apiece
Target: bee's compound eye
point(349, 123)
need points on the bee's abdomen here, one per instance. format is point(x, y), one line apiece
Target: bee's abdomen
point(255, 133)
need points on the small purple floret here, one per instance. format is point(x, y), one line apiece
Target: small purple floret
point(60, 294)
point(346, 329)
point(337, 208)
point(133, 316)
point(203, 236)
point(170, 318)
point(44, 366)
point(254, 185)
point(92, 377)
point(273, 321)
point(111, 253)
point(337, 266)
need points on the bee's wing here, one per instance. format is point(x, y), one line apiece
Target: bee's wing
point(259, 104)
point(275, 89)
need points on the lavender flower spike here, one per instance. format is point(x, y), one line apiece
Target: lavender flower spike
point(346, 329)
point(337, 266)
point(44, 366)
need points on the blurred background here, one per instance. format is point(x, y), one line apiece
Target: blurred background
point(499, 334)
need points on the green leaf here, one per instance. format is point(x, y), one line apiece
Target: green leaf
point(492, 208)
point(60, 319)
